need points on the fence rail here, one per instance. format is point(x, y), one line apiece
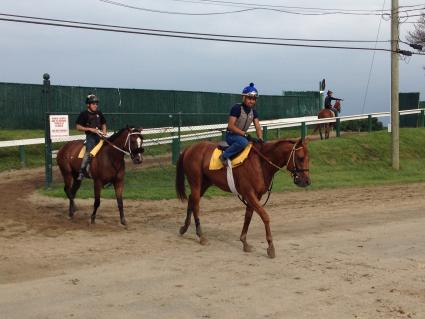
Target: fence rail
point(270, 124)
point(190, 133)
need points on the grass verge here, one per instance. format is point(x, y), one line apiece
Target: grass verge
point(356, 160)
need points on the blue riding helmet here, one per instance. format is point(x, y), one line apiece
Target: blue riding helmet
point(250, 90)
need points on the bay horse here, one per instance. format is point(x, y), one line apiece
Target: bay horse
point(252, 179)
point(326, 113)
point(108, 166)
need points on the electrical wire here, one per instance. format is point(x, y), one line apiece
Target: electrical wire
point(251, 5)
point(372, 62)
point(77, 25)
point(267, 8)
point(194, 33)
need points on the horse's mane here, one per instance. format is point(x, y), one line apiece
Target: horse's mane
point(266, 147)
point(114, 136)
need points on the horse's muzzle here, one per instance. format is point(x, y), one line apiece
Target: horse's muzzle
point(301, 180)
point(137, 157)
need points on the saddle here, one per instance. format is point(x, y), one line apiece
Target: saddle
point(215, 163)
point(93, 152)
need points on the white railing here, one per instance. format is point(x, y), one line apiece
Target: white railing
point(212, 130)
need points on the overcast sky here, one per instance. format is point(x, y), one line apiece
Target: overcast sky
point(104, 59)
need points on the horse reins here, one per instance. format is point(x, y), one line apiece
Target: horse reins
point(293, 171)
point(292, 155)
point(118, 148)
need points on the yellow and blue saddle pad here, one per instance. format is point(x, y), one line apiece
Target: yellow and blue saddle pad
point(215, 163)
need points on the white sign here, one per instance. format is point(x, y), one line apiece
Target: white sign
point(59, 125)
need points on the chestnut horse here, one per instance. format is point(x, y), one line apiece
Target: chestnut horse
point(326, 113)
point(107, 166)
point(252, 179)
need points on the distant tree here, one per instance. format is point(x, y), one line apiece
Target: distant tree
point(417, 36)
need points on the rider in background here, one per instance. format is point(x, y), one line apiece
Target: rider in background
point(241, 116)
point(90, 121)
point(328, 102)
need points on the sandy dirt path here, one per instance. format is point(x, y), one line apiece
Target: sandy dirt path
point(351, 253)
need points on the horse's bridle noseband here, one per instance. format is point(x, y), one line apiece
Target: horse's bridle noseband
point(137, 150)
point(130, 152)
point(295, 170)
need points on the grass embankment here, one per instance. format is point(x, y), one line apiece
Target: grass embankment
point(355, 160)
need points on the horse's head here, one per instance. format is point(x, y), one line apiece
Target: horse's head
point(134, 144)
point(298, 163)
point(337, 106)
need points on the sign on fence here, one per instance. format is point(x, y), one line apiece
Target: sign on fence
point(59, 125)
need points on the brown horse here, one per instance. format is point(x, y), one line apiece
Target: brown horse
point(326, 113)
point(252, 179)
point(107, 166)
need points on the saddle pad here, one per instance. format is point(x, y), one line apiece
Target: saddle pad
point(216, 164)
point(93, 151)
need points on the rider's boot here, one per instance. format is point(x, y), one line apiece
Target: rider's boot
point(85, 166)
point(223, 161)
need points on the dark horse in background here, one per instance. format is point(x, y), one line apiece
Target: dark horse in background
point(326, 113)
point(252, 179)
point(107, 166)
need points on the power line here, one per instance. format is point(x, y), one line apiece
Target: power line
point(251, 5)
point(372, 62)
point(77, 25)
point(194, 33)
point(256, 8)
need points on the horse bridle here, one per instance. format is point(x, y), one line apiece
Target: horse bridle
point(130, 153)
point(138, 150)
point(295, 170)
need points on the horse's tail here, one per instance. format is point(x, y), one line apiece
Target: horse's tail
point(180, 188)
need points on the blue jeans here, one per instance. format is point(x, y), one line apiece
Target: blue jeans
point(237, 143)
point(91, 141)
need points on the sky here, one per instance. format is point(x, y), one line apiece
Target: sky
point(105, 59)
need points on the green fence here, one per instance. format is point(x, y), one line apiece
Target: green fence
point(27, 104)
point(408, 101)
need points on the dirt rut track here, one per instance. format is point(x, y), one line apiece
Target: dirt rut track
point(348, 253)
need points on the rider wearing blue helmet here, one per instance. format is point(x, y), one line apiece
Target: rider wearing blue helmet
point(241, 116)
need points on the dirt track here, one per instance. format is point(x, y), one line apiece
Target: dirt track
point(360, 256)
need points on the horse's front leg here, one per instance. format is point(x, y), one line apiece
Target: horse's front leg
point(255, 203)
point(248, 216)
point(97, 190)
point(75, 187)
point(119, 187)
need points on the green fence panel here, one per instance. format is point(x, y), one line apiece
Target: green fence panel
point(408, 101)
point(26, 108)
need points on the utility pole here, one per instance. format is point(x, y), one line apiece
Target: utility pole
point(395, 117)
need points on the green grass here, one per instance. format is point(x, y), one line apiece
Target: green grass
point(356, 160)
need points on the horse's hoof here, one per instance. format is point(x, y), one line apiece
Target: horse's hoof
point(92, 221)
point(123, 222)
point(70, 216)
point(270, 252)
point(247, 248)
point(203, 241)
point(183, 230)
